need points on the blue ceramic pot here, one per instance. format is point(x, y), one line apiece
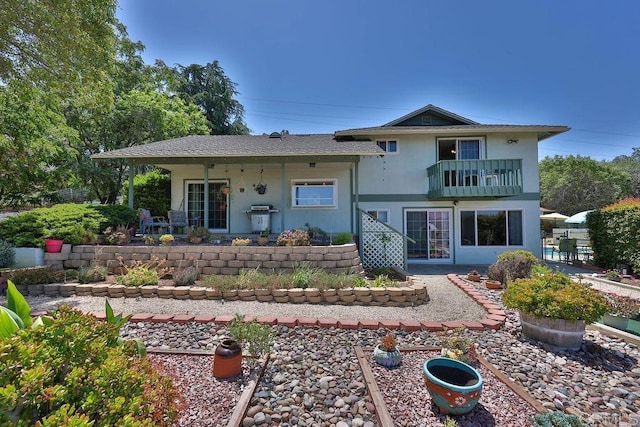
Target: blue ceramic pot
point(389, 359)
point(454, 386)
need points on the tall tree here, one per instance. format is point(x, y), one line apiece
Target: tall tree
point(138, 117)
point(213, 92)
point(34, 144)
point(631, 165)
point(574, 183)
point(58, 44)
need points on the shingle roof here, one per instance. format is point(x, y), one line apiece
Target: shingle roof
point(207, 146)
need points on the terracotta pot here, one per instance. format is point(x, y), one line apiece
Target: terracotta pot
point(493, 284)
point(263, 241)
point(388, 359)
point(227, 360)
point(53, 245)
point(454, 386)
point(473, 277)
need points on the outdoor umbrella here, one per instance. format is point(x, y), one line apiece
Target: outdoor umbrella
point(579, 218)
point(555, 216)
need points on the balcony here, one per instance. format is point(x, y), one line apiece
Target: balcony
point(459, 179)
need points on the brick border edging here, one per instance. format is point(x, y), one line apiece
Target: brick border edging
point(494, 320)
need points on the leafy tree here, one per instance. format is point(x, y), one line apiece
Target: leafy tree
point(62, 44)
point(631, 165)
point(34, 144)
point(138, 117)
point(213, 92)
point(574, 183)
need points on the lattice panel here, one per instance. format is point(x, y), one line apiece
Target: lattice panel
point(381, 245)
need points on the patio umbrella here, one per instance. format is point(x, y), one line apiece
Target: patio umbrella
point(555, 216)
point(579, 218)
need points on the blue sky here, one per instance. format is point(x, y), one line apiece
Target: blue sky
point(317, 67)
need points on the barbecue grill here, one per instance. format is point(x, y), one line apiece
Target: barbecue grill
point(260, 217)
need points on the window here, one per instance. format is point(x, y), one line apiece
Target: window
point(381, 215)
point(390, 146)
point(491, 228)
point(460, 148)
point(316, 193)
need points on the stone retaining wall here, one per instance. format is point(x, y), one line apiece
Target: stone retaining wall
point(209, 259)
point(414, 293)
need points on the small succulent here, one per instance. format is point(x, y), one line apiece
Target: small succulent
point(388, 343)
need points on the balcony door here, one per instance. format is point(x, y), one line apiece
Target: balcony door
point(218, 205)
point(431, 229)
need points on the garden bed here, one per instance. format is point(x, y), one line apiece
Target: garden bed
point(401, 396)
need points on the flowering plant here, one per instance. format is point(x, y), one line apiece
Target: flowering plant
point(166, 239)
point(296, 237)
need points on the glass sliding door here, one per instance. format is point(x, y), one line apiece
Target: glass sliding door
point(431, 229)
point(218, 208)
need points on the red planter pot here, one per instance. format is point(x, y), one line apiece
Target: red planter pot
point(227, 360)
point(53, 245)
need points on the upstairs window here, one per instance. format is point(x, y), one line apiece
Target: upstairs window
point(460, 148)
point(389, 146)
point(314, 193)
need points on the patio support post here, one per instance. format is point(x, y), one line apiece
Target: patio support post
point(283, 197)
point(206, 196)
point(356, 192)
point(131, 174)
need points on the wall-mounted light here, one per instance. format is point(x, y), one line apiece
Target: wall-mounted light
point(455, 203)
point(512, 141)
point(312, 165)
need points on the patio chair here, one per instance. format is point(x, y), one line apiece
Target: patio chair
point(149, 222)
point(177, 219)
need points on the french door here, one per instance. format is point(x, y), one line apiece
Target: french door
point(432, 231)
point(218, 205)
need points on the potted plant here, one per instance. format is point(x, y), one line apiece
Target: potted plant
point(263, 240)
point(225, 189)
point(456, 346)
point(612, 275)
point(53, 244)
point(166, 239)
point(622, 309)
point(198, 234)
point(554, 309)
point(387, 353)
point(473, 275)
point(493, 284)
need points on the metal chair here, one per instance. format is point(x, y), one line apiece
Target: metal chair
point(148, 222)
point(177, 219)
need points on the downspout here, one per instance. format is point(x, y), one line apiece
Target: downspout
point(356, 210)
point(131, 174)
point(206, 196)
point(283, 197)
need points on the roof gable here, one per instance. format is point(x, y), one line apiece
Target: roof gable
point(430, 115)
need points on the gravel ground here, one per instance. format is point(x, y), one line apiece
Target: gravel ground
point(313, 377)
point(447, 302)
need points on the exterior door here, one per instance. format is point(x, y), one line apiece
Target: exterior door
point(218, 205)
point(431, 229)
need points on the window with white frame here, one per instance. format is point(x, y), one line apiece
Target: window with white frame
point(389, 146)
point(491, 228)
point(469, 148)
point(314, 193)
point(381, 215)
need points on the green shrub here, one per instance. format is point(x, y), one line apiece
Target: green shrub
point(92, 273)
point(75, 224)
point(512, 265)
point(185, 277)
point(75, 369)
point(7, 254)
point(255, 337)
point(32, 276)
point(555, 296)
point(342, 238)
point(152, 191)
point(304, 276)
point(115, 215)
point(557, 419)
point(140, 273)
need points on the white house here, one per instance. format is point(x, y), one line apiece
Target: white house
point(454, 190)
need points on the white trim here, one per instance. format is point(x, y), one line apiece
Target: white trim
point(320, 182)
point(387, 141)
